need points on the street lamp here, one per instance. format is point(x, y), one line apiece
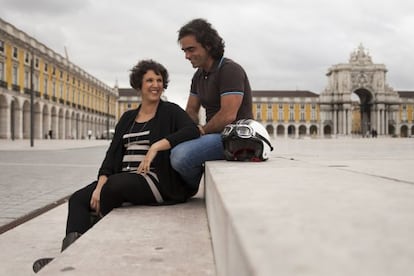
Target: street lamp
point(31, 102)
point(107, 119)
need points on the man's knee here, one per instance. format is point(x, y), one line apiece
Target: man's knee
point(178, 157)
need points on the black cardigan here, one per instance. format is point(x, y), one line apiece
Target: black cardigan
point(170, 122)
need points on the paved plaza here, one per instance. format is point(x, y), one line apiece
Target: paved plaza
point(32, 178)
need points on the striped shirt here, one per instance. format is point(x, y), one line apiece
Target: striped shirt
point(136, 144)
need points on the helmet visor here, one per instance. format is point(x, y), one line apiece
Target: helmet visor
point(244, 131)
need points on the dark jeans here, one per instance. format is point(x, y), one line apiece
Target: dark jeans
point(119, 188)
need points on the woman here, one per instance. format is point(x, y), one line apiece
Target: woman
point(136, 168)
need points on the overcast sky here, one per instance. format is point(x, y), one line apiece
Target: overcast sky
point(282, 44)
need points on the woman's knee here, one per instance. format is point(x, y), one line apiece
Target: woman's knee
point(108, 190)
point(111, 196)
point(80, 197)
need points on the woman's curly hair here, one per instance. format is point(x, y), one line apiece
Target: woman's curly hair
point(143, 66)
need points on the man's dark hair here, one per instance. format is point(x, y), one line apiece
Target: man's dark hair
point(206, 35)
point(139, 70)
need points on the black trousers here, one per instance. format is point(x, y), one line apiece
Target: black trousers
point(119, 188)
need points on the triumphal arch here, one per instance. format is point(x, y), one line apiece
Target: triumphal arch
point(358, 100)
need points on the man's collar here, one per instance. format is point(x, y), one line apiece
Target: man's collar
point(214, 67)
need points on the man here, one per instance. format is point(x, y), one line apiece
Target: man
point(221, 86)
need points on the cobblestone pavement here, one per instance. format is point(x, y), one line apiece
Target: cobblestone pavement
point(32, 178)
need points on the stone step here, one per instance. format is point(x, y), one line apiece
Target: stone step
point(142, 240)
point(290, 217)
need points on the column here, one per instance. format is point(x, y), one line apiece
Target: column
point(334, 131)
point(386, 114)
point(18, 117)
point(344, 122)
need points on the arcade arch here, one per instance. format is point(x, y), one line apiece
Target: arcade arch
point(363, 124)
point(313, 130)
point(270, 130)
point(280, 130)
point(291, 130)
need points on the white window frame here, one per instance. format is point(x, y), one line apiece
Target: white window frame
point(36, 82)
point(259, 112)
point(404, 113)
point(45, 84)
point(27, 78)
point(302, 112)
point(15, 52)
point(313, 112)
point(61, 89)
point(27, 58)
point(15, 74)
point(269, 112)
point(54, 88)
point(291, 112)
point(2, 77)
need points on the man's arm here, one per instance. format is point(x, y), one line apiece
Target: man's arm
point(227, 114)
point(193, 108)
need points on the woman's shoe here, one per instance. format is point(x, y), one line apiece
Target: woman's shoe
point(40, 263)
point(68, 240)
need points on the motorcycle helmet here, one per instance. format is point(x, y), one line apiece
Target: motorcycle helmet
point(246, 140)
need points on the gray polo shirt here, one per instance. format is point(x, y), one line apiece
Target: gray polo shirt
point(225, 78)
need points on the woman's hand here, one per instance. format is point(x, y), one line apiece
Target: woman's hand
point(145, 164)
point(96, 195)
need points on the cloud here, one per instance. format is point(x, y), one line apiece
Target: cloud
point(43, 7)
point(282, 44)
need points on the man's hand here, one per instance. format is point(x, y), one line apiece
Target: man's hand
point(201, 129)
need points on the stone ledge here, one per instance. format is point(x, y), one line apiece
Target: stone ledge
point(142, 240)
point(302, 218)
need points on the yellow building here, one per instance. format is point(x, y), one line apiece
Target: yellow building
point(356, 101)
point(129, 98)
point(67, 101)
point(287, 113)
point(297, 114)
